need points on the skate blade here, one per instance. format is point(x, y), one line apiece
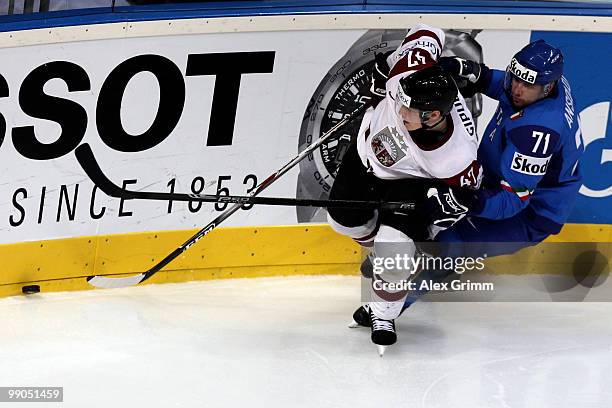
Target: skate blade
point(381, 350)
point(353, 324)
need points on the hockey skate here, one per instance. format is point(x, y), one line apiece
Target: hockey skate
point(361, 317)
point(383, 332)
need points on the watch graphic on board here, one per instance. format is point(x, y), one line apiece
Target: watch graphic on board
point(344, 88)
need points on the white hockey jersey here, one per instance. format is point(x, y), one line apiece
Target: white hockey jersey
point(388, 150)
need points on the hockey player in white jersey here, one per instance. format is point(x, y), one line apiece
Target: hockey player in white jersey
point(415, 144)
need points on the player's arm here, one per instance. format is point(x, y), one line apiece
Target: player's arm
point(523, 164)
point(428, 40)
point(473, 77)
point(420, 49)
point(469, 178)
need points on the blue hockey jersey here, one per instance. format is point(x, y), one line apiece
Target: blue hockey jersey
point(530, 156)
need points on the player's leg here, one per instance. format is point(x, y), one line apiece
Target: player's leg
point(411, 223)
point(392, 270)
point(475, 237)
point(353, 182)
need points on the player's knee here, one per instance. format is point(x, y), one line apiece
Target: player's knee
point(362, 227)
point(395, 254)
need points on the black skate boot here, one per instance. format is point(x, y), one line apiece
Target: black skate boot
point(383, 332)
point(361, 317)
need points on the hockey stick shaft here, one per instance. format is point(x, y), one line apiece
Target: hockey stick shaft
point(101, 281)
point(92, 169)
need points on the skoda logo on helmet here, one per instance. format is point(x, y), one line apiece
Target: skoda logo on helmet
point(524, 73)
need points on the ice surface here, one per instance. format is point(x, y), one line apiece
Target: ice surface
point(284, 342)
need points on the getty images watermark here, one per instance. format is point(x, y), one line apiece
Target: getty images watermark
point(430, 271)
point(546, 272)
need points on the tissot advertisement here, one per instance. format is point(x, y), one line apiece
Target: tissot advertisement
point(218, 114)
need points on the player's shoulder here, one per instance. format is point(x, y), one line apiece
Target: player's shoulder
point(553, 111)
point(548, 123)
point(463, 121)
point(534, 139)
point(451, 156)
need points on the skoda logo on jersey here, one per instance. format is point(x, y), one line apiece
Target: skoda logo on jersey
point(522, 72)
point(534, 166)
point(386, 148)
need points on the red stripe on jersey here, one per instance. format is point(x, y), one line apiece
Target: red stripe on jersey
point(365, 240)
point(507, 187)
point(423, 33)
point(523, 195)
point(467, 178)
point(416, 60)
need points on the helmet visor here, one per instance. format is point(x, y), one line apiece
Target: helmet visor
point(411, 118)
point(511, 77)
point(410, 115)
point(508, 80)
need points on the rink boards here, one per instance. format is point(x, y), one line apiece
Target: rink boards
point(215, 105)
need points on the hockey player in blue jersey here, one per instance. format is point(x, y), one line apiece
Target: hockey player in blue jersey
point(529, 153)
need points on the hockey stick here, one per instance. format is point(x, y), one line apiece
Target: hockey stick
point(86, 157)
point(109, 282)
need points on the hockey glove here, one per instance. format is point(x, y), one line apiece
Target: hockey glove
point(380, 74)
point(461, 68)
point(443, 207)
point(466, 74)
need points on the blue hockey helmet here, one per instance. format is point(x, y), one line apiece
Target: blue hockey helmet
point(537, 63)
